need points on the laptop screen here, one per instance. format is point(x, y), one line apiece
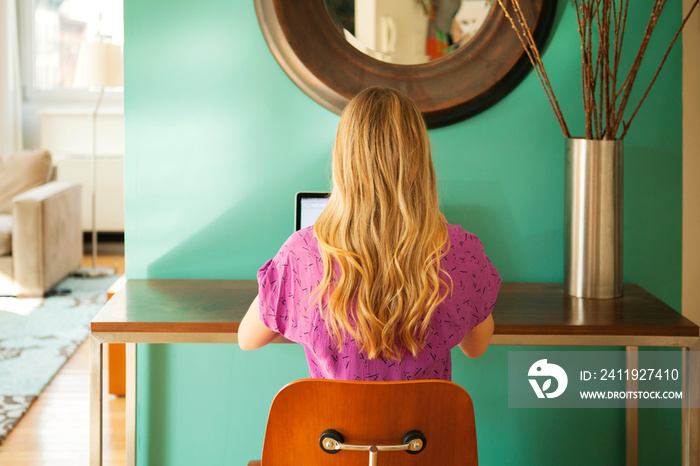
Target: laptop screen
point(309, 206)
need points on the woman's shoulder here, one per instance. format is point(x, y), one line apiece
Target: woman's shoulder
point(459, 237)
point(466, 249)
point(300, 243)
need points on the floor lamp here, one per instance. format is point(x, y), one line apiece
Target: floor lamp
point(99, 66)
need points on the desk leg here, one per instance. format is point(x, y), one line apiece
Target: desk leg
point(691, 415)
point(95, 401)
point(631, 411)
point(131, 404)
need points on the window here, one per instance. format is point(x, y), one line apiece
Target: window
point(52, 31)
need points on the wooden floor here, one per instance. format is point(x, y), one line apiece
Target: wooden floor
point(54, 432)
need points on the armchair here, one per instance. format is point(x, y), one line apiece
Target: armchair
point(41, 238)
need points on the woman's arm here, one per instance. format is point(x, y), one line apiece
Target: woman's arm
point(476, 341)
point(252, 333)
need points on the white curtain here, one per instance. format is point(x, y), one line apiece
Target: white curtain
point(10, 83)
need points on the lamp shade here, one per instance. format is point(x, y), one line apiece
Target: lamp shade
point(99, 65)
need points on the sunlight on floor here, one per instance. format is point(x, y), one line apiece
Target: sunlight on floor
point(22, 307)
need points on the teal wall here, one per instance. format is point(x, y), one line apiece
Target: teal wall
point(218, 140)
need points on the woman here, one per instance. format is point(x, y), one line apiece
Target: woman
point(381, 287)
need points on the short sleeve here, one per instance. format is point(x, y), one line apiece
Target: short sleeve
point(487, 286)
point(272, 290)
point(281, 284)
point(475, 280)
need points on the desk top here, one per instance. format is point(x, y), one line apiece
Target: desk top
point(217, 306)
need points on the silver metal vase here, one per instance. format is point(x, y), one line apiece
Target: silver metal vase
point(593, 218)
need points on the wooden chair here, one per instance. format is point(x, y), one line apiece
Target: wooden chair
point(371, 414)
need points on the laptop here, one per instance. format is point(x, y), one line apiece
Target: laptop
point(308, 207)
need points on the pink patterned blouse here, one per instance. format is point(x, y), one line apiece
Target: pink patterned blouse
point(286, 281)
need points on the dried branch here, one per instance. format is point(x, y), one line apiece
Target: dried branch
point(632, 75)
point(604, 103)
point(526, 39)
point(685, 20)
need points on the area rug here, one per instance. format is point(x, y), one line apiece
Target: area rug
point(38, 335)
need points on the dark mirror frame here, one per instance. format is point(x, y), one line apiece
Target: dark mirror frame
point(314, 54)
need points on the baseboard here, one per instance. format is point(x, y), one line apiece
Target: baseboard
point(104, 236)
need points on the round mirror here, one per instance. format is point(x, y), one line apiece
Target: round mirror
point(308, 40)
point(408, 32)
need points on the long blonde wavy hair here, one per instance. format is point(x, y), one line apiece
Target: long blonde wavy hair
point(383, 229)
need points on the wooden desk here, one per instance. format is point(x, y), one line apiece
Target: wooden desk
point(209, 311)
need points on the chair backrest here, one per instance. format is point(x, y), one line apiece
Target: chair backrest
point(370, 413)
